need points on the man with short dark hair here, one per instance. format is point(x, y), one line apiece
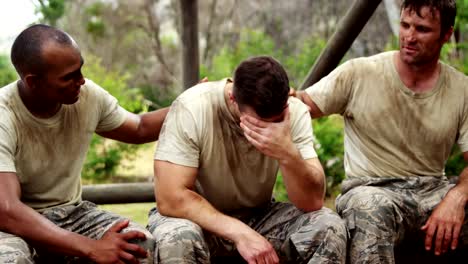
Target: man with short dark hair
point(403, 111)
point(47, 119)
point(215, 167)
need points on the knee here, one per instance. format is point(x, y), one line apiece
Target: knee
point(331, 225)
point(15, 250)
point(180, 241)
point(368, 208)
point(148, 244)
point(179, 231)
point(322, 238)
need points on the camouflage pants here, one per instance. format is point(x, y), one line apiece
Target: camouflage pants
point(298, 237)
point(84, 219)
point(381, 213)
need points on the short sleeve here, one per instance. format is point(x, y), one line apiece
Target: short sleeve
point(301, 130)
point(111, 114)
point(178, 140)
point(7, 144)
point(331, 94)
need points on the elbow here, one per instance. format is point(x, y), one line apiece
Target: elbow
point(309, 205)
point(164, 208)
point(171, 206)
point(317, 205)
point(7, 211)
point(312, 206)
point(143, 137)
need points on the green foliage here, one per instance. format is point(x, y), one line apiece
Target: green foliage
point(95, 25)
point(158, 97)
point(455, 163)
point(279, 191)
point(115, 83)
point(461, 22)
point(105, 155)
point(7, 72)
point(299, 64)
point(51, 10)
point(330, 149)
point(252, 43)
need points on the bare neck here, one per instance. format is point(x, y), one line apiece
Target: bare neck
point(418, 78)
point(231, 107)
point(36, 105)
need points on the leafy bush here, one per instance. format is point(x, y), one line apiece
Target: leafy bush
point(330, 150)
point(104, 155)
point(7, 72)
point(251, 43)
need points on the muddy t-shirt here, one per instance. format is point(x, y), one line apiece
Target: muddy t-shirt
point(200, 132)
point(389, 129)
point(47, 154)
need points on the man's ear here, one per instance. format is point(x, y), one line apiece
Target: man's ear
point(31, 80)
point(447, 35)
point(232, 99)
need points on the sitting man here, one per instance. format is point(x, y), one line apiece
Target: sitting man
point(403, 111)
point(215, 167)
point(47, 120)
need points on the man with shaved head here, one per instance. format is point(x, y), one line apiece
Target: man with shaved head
point(47, 119)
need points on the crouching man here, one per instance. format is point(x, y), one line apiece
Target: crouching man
point(215, 167)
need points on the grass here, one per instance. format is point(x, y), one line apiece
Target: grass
point(137, 212)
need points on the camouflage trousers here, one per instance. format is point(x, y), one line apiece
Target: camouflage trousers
point(85, 219)
point(382, 213)
point(298, 237)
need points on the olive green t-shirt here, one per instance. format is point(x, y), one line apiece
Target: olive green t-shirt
point(389, 129)
point(47, 154)
point(200, 132)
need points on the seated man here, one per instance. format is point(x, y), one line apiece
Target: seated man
point(403, 111)
point(47, 119)
point(215, 167)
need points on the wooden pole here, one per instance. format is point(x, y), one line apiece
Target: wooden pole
point(190, 52)
point(119, 193)
point(337, 46)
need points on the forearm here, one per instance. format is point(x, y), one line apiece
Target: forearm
point(138, 129)
point(190, 205)
point(151, 123)
point(305, 183)
point(460, 191)
point(21, 220)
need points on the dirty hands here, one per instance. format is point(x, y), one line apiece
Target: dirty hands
point(271, 138)
point(114, 247)
point(255, 249)
point(445, 223)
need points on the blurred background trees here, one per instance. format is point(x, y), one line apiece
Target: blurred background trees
point(133, 48)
